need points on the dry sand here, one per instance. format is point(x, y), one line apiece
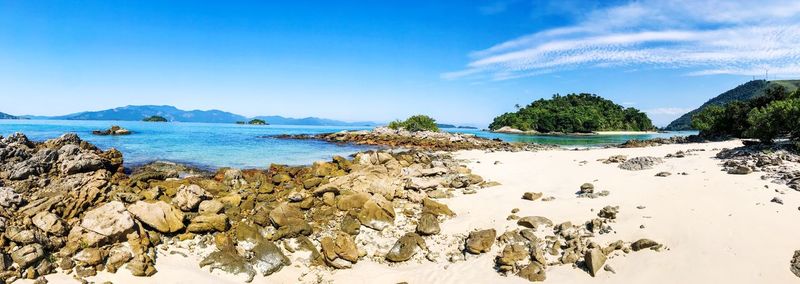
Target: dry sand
point(717, 227)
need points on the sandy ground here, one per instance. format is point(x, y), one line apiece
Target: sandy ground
point(717, 227)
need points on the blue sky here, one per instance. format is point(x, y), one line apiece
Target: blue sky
point(460, 61)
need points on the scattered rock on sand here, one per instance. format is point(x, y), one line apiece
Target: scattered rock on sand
point(608, 212)
point(794, 264)
point(663, 174)
point(532, 196)
point(534, 222)
point(406, 247)
point(740, 170)
point(587, 188)
point(428, 224)
point(480, 241)
point(640, 163)
point(594, 260)
point(643, 244)
point(777, 200)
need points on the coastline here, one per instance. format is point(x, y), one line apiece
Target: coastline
point(698, 217)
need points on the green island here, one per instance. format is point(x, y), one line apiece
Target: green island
point(155, 118)
point(254, 121)
point(415, 124)
point(773, 115)
point(573, 113)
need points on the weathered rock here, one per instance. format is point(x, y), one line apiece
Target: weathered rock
point(106, 223)
point(794, 264)
point(640, 163)
point(352, 201)
point(532, 196)
point(594, 260)
point(740, 170)
point(406, 247)
point(28, 255)
point(85, 162)
point(49, 222)
point(9, 198)
point(643, 244)
point(663, 174)
point(118, 256)
point(587, 188)
point(158, 215)
point(533, 272)
point(340, 252)
point(188, 197)
point(90, 257)
point(608, 212)
point(378, 213)
point(266, 258)
point(534, 222)
point(436, 208)
point(428, 224)
point(208, 223)
point(210, 207)
point(480, 241)
point(351, 224)
point(511, 255)
point(285, 213)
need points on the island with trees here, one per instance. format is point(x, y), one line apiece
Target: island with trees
point(573, 113)
point(415, 124)
point(155, 118)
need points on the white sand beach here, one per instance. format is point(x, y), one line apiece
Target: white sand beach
point(715, 227)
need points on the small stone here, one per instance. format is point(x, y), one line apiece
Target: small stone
point(643, 244)
point(608, 212)
point(777, 200)
point(587, 188)
point(532, 196)
point(534, 222)
point(609, 269)
point(663, 174)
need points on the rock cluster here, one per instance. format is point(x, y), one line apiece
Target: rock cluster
point(427, 140)
point(635, 143)
point(113, 130)
point(64, 203)
point(640, 163)
point(529, 251)
point(778, 162)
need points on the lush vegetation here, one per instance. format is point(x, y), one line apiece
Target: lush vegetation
point(775, 114)
point(574, 113)
point(257, 121)
point(415, 123)
point(155, 118)
point(744, 92)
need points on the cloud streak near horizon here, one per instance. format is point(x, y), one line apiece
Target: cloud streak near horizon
point(697, 38)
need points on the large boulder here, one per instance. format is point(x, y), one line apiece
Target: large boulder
point(340, 252)
point(28, 255)
point(534, 222)
point(49, 222)
point(208, 223)
point(159, 215)
point(285, 214)
point(102, 224)
point(189, 197)
point(378, 213)
point(640, 163)
point(85, 162)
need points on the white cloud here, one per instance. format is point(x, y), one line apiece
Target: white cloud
point(700, 37)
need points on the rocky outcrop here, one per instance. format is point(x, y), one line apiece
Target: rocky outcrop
point(113, 130)
point(159, 215)
point(425, 140)
point(640, 163)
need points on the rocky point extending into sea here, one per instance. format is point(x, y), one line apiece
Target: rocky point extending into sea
point(423, 140)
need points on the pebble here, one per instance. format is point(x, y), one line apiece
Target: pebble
point(777, 200)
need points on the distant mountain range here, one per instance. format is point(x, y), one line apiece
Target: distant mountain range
point(742, 92)
point(7, 116)
point(171, 113)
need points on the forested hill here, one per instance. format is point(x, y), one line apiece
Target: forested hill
point(574, 113)
point(742, 92)
point(7, 116)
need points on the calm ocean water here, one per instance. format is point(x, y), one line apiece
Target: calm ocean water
point(215, 145)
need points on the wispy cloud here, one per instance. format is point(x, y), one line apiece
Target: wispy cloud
point(699, 37)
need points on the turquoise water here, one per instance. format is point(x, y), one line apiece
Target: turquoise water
point(214, 145)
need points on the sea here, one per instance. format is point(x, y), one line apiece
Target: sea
point(216, 145)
